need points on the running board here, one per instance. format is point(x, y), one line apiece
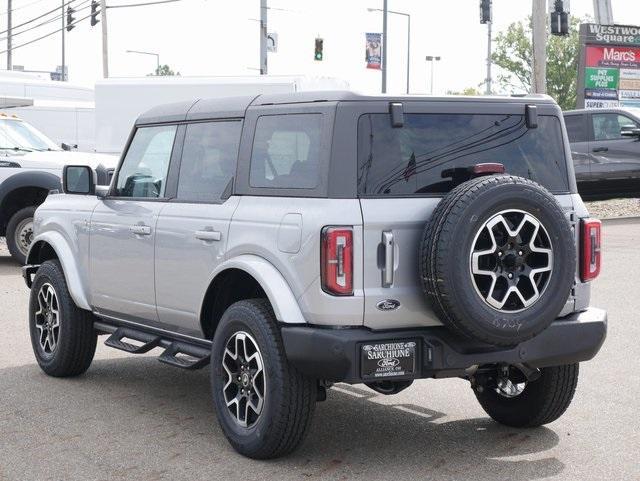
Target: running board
point(177, 353)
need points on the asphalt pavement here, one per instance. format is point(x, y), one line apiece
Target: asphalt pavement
point(134, 418)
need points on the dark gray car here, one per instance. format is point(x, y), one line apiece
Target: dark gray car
point(605, 145)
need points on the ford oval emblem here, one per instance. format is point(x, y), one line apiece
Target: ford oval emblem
point(388, 362)
point(388, 305)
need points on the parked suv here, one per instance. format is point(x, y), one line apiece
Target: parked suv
point(294, 241)
point(605, 145)
point(31, 166)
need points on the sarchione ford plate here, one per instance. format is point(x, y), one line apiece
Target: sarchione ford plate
point(388, 359)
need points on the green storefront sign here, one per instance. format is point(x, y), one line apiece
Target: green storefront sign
point(601, 78)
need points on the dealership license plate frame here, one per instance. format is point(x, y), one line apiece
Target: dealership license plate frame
point(371, 371)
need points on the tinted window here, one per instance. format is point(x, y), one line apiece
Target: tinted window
point(144, 170)
point(286, 151)
point(209, 160)
point(575, 128)
point(608, 126)
point(432, 152)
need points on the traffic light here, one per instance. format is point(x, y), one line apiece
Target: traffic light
point(94, 12)
point(70, 18)
point(485, 11)
point(318, 54)
point(559, 19)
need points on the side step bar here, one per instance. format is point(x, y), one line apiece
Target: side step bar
point(177, 352)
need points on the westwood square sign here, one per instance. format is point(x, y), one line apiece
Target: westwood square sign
point(609, 66)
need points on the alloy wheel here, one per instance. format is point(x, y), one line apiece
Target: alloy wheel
point(24, 235)
point(511, 260)
point(245, 381)
point(47, 319)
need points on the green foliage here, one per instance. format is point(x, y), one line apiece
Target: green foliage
point(513, 52)
point(164, 70)
point(466, 91)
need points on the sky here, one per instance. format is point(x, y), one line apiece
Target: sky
point(211, 38)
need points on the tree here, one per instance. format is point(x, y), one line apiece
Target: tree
point(514, 54)
point(466, 91)
point(164, 70)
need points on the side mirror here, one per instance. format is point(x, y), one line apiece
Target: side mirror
point(78, 179)
point(630, 132)
point(102, 191)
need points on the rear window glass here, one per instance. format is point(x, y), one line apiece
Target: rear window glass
point(430, 154)
point(286, 151)
point(576, 128)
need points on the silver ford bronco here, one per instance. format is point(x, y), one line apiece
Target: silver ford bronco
point(298, 240)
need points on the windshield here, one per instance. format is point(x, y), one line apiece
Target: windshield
point(18, 135)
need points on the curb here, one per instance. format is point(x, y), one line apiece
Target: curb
point(622, 220)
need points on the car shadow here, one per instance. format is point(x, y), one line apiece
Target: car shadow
point(132, 415)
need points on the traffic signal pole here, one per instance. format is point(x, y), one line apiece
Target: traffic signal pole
point(105, 44)
point(63, 76)
point(539, 19)
point(9, 61)
point(488, 92)
point(263, 37)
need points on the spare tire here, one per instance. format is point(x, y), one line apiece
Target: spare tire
point(498, 259)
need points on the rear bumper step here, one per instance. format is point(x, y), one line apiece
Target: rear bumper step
point(335, 354)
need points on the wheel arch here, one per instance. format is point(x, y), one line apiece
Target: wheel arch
point(52, 245)
point(246, 277)
point(23, 190)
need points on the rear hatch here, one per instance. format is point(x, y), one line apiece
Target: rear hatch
point(404, 171)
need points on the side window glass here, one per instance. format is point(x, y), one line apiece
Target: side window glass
point(286, 151)
point(144, 170)
point(609, 126)
point(575, 128)
point(209, 159)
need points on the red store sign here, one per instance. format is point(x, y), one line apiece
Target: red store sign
point(604, 56)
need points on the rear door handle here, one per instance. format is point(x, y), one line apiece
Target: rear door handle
point(387, 269)
point(208, 235)
point(600, 149)
point(140, 229)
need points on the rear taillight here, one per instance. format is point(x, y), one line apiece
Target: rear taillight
point(590, 262)
point(336, 260)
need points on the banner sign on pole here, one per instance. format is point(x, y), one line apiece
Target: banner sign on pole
point(374, 50)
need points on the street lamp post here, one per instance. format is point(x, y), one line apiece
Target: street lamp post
point(431, 58)
point(157, 55)
point(408, 45)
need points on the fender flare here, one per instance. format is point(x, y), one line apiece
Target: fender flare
point(69, 265)
point(28, 178)
point(284, 303)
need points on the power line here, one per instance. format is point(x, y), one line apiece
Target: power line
point(47, 35)
point(2, 14)
point(46, 22)
point(40, 16)
point(142, 4)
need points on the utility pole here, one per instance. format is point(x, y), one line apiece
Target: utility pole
point(384, 47)
point(63, 76)
point(9, 62)
point(488, 92)
point(602, 12)
point(539, 19)
point(105, 44)
point(263, 37)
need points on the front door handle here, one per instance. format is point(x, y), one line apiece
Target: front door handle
point(600, 149)
point(140, 229)
point(208, 235)
point(387, 268)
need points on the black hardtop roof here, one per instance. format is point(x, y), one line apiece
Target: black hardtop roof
point(235, 107)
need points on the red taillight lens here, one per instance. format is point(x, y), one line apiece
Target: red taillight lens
point(590, 264)
point(336, 259)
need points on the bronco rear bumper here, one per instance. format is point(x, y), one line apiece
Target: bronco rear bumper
point(336, 354)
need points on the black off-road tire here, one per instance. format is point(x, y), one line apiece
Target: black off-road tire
point(77, 339)
point(447, 243)
point(12, 225)
point(289, 399)
point(542, 401)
